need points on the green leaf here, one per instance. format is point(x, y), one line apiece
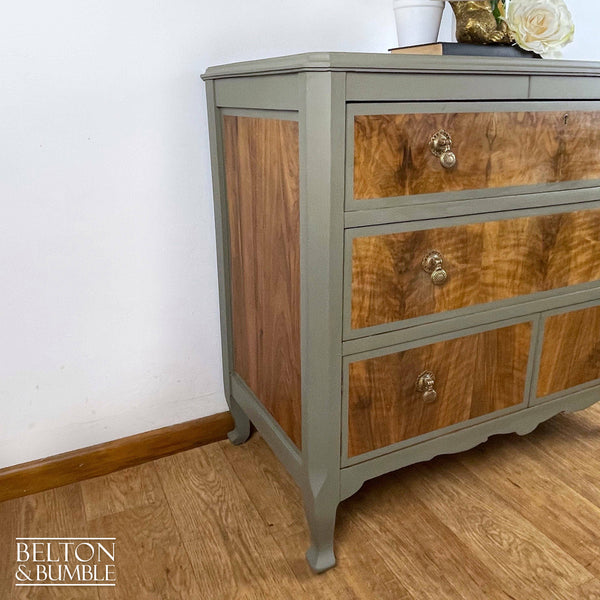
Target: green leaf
point(497, 9)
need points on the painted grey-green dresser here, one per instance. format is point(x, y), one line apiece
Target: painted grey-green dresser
point(409, 257)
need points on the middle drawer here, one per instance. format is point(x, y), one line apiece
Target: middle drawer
point(399, 276)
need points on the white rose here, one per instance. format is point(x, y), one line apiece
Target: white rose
point(542, 26)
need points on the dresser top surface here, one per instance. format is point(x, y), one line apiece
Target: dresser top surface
point(399, 63)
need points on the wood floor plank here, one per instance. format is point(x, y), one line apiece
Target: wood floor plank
point(423, 580)
point(516, 519)
point(9, 530)
point(381, 583)
point(51, 593)
point(575, 461)
point(589, 590)
point(356, 557)
point(416, 544)
point(8, 533)
point(331, 584)
point(151, 560)
point(501, 538)
point(273, 492)
point(515, 475)
point(55, 513)
point(230, 548)
point(359, 574)
point(357, 554)
point(277, 499)
point(123, 490)
point(580, 428)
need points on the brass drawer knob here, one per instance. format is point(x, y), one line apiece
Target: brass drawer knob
point(425, 383)
point(432, 264)
point(441, 146)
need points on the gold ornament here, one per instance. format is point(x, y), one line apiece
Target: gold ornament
point(476, 24)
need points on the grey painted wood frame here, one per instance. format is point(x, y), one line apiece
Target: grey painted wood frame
point(319, 91)
point(322, 231)
point(269, 92)
point(471, 204)
point(359, 62)
point(553, 86)
point(385, 87)
point(389, 77)
point(222, 243)
point(270, 430)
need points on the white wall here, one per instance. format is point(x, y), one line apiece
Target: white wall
point(108, 299)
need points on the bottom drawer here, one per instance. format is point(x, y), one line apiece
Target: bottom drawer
point(398, 396)
point(570, 352)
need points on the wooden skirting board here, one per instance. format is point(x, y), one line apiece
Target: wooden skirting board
point(85, 463)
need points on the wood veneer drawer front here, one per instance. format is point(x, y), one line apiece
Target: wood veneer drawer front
point(483, 262)
point(473, 376)
point(570, 351)
point(392, 155)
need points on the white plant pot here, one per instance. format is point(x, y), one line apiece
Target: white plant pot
point(418, 21)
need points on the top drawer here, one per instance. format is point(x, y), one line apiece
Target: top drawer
point(496, 146)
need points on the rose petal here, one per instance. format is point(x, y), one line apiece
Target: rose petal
point(542, 26)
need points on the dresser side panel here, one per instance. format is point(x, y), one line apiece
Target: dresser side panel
point(262, 179)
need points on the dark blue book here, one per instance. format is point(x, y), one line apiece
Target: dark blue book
point(456, 49)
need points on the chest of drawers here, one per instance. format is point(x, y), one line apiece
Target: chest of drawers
point(409, 257)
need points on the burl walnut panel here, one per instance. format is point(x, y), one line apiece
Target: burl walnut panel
point(570, 352)
point(262, 177)
point(392, 155)
point(474, 375)
point(484, 261)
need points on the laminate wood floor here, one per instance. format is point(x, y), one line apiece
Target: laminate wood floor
point(516, 518)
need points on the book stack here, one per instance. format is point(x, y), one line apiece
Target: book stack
point(456, 49)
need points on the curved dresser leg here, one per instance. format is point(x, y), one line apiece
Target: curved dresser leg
point(320, 514)
point(241, 431)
